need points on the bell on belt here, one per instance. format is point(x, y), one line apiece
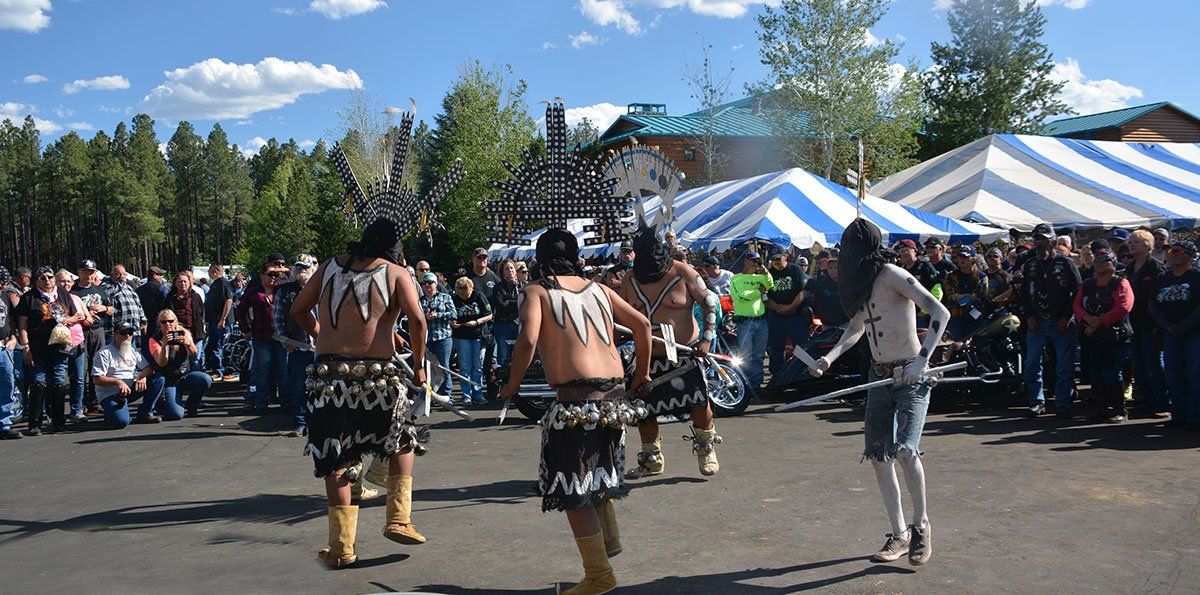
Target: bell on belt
point(359, 370)
point(309, 369)
point(343, 369)
point(376, 370)
point(322, 370)
point(593, 417)
point(390, 369)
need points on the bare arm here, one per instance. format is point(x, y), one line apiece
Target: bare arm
point(225, 312)
point(306, 300)
point(708, 309)
point(854, 331)
point(626, 316)
point(530, 310)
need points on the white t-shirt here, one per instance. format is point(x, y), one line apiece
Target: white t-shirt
point(108, 362)
point(720, 285)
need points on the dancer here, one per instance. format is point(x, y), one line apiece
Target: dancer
point(357, 400)
point(880, 299)
point(666, 291)
point(569, 320)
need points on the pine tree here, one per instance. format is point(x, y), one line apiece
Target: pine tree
point(182, 215)
point(140, 220)
point(993, 77)
point(62, 212)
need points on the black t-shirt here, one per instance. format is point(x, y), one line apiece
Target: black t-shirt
point(789, 282)
point(1177, 297)
point(214, 300)
point(472, 308)
point(827, 301)
point(944, 267)
point(41, 317)
point(485, 283)
point(93, 296)
point(6, 325)
point(1050, 286)
point(925, 274)
point(178, 360)
point(1144, 283)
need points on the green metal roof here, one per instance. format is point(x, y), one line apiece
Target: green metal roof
point(1102, 121)
point(740, 118)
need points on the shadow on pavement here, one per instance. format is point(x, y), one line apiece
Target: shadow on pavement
point(260, 508)
point(197, 435)
point(724, 582)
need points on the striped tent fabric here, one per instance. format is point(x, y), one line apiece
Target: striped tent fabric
point(788, 208)
point(1018, 181)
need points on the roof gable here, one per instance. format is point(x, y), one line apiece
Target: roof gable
point(1105, 120)
point(740, 118)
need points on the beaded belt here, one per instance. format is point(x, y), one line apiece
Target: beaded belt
point(592, 414)
point(358, 376)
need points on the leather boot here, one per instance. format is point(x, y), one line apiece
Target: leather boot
point(650, 460)
point(399, 526)
point(34, 409)
point(608, 526)
point(359, 491)
point(704, 444)
point(377, 473)
point(58, 401)
point(343, 525)
point(1116, 401)
point(597, 572)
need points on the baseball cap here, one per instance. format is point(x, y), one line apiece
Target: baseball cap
point(711, 260)
point(933, 242)
point(1185, 245)
point(1043, 230)
point(1099, 246)
point(1162, 231)
point(87, 264)
point(964, 250)
point(752, 255)
point(1119, 234)
point(127, 328)
point(995, 252)
point(276, 257)
point(906, 244)
point(778, 252)
point(626, 246)
point(1105, 256)
point(157, 271)
point(429, 278)
point(481, 251)
point(306, 261)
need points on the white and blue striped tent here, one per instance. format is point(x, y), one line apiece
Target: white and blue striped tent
point(787, 208)
point(1018, 181)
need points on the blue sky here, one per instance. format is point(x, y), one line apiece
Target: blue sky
point(279, 68)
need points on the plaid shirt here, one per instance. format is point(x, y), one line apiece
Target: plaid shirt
point(127, 307)
point(285, 296)
point(256, 317)
point(440, 311)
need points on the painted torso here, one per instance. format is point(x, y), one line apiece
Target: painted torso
point(357, 310)
point(575, 337)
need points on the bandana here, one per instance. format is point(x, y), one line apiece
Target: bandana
point(861, 260)
point(652, 260)
point(380, 239)
point(557, 253)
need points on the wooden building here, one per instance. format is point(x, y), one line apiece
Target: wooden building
point(1159, 122)
point(741, 131)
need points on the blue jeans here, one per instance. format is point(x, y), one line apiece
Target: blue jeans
point(440, 351)
point(752, 345)
point(779, 330)
point(194, 385)
point(8, 396)
point(1064, 350)
point(49, 370)
point(197, 361)
point(1182, 356)
point(116, 407)
point(895, 418)
point(504, 331)
point(18, 358)
point(1106, 362)
point(1148, 371)
point(268, 364)
point(77, 367)
point(294, 393)
point(470, 364)
point(213, 345)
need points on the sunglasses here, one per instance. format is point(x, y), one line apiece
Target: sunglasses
point(275, 275)
point(429, 283)
point(50, 277)
point(1176, 251)
point(167, 320)
point(423, 269)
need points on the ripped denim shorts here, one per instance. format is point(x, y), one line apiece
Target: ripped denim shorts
point(895, 418)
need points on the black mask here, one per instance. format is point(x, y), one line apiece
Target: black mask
point(557, 253)
point(861, 260)
point(652, 260)
point(380, 239)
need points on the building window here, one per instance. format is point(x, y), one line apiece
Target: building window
point(689, 154)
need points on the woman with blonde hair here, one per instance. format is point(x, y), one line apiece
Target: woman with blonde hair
point(1147, 342)
point(472, 313)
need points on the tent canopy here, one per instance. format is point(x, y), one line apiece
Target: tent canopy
point(1018, 181)
point(788, 208)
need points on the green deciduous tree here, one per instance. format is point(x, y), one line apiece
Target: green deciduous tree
point(994, 76)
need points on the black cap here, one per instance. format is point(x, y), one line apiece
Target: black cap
point(1119, 234)
point(964, 250)
point(276, 257)
point(933, 241)
point(1043, 230)
point(1185, 245)
point(127, 327)
point(711, 260)
point(87, 264)
point(626, 246)
point(752, 255)
point(1099, 246)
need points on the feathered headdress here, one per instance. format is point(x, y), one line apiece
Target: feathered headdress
point(388, 197)
point(552, 189)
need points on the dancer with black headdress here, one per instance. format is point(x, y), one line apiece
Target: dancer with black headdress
point(879, 298)
point(358, 403)
point(569, 321)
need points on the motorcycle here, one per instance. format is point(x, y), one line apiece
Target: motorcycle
point(993, 353)
point(849, 369)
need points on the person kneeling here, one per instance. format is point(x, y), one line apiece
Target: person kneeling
point(171, 350)
point(121, 375)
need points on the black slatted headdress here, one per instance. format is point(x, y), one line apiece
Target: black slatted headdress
point(388, 197)
point(562, 185)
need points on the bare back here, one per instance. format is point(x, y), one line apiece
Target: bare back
point(358, 309)
point(575, 337)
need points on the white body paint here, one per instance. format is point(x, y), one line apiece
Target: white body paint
point(589, 306)
point(359, 284)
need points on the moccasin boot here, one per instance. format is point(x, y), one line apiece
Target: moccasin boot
point(377, 473)
point(704, 444)
point(597, 572)
point(343, 525)
point(360, 491)
point(399, 526)
point(608, 526)
point(650, 460)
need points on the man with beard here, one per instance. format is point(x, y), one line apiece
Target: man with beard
point(880, 299)
point(665, 291)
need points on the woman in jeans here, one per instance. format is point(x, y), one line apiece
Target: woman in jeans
point(40, 315)
point(171, 350)
point(472, 311)
point(188, 307)
point(77, 364)
point(1102, 308)
point(1143, 271)
point(439, 311)
point(504, 304)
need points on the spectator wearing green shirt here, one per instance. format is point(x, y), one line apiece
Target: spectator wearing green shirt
point(749, 312)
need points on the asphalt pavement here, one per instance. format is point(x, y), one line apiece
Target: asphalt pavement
point(226, 503)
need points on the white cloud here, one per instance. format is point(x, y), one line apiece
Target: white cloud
point(285, 11)
point(111, 110)
point(162, 148)
point(1088, 96)
point(306, 143)
point(105, 83)
point(244, 123)
point(737, 46)
point(17, 112)
point(33, 79)
point(251, 147)
point(392, 110)
point(1070, 4)
point(64, 112)
point(870, 39)
point(80, 126)
point(340, 9)
point(726, 9)
point(548, 46)
point(214, 89)
point(602, 115)
point(895, 76)
point(585, 39)
point(24, 15)
point(610, 12)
